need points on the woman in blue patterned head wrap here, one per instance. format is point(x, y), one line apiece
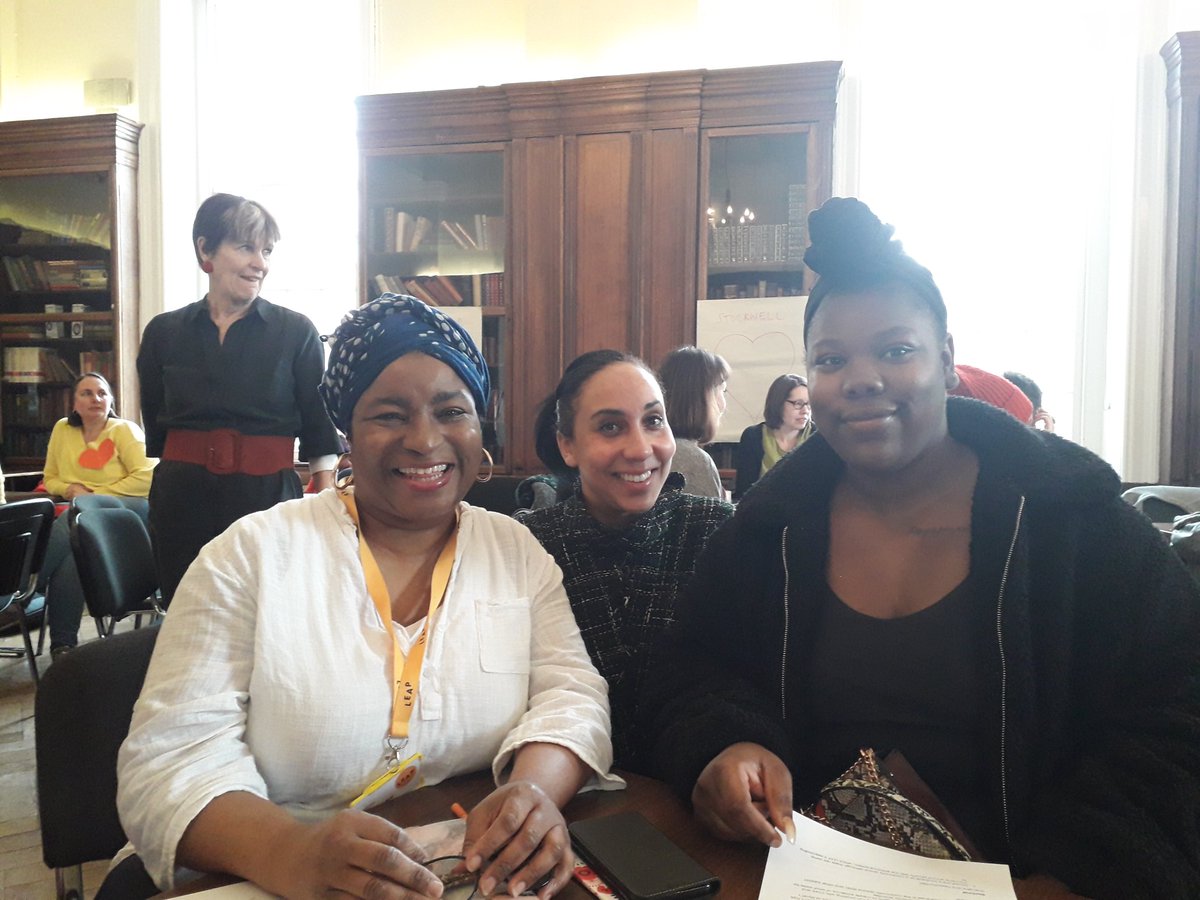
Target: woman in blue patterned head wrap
point(406, 385)
point(347, 648)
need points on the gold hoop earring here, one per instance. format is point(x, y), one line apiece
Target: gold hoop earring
point(344, 481)
point(491, 467)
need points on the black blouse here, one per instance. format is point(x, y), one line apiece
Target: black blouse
point(261, 380)
point(911, 684)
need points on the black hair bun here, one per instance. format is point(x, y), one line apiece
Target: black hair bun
point(846, 238)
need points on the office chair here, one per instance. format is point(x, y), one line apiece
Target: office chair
point(81, 715)
point(116, 564)
point(24, 534)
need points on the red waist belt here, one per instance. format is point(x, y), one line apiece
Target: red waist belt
point(224, 451)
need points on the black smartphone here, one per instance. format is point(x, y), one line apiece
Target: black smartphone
point(637, 860)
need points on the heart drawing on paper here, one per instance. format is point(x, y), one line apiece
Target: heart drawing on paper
point(755, 363)
point(97, 457)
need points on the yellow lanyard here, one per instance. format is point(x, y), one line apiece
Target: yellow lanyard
point(406, 671)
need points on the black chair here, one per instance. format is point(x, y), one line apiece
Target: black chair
point(24, 534)
point(116, 564)
point(81, 716)
point(139, 505)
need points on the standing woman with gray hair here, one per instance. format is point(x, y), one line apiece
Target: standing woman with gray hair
point(228, 384)
point(347, 647)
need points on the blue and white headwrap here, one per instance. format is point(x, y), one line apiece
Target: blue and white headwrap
point(373, 336)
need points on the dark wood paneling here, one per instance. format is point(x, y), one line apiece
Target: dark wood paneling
point(670, 200)
point(602, 242)
point(607, 104)
point(76, 143)
point(1180, 435)
point(537, 287)
point(770, 95)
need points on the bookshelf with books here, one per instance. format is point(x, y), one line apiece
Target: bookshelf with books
point(758, 200)
point(574, 212)
point(68, 279)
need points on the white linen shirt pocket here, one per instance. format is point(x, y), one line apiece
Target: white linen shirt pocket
point(504, 634)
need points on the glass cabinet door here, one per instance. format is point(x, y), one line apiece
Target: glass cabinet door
point(435, 226)
point(56, 306)
point(758, 200)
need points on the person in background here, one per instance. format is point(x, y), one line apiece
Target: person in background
point(992, 389)
point(628, 537)
point(787, 423)
point(91, 451)
point(1042, 420)
point(228, 384)
point(929, 575)
point(268, 705)
point(694, 385)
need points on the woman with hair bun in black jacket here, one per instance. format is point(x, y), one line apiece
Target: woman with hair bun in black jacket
point(930, 575)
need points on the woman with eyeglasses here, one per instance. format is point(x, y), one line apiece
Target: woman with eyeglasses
point(787, 424)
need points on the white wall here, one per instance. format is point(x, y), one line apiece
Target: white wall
point(49, 48)
point(1017, 146)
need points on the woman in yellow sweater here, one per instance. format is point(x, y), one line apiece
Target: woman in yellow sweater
point(91, 452)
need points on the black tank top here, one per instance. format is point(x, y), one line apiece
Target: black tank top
point(911, 684)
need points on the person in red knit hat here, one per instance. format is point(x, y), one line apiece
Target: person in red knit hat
point(1000, 392)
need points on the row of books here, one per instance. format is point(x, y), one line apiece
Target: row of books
point(397, 231)
point(26, 443)
point(43, 365)
point(435, 290)
point(102, 361)
point(34, 408)
point(760, 288)
point(35, 365)
point(482, 289)
point(729, 244)
point(25, 273)
point(90, 331)
point(797, 220)
point(491, 352)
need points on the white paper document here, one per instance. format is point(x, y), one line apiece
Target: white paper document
point(824, 864)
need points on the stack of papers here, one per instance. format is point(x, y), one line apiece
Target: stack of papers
point(825, 864)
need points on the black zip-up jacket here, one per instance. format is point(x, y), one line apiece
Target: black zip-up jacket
point(1091, 655)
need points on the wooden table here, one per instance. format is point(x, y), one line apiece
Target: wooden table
point(739, 866)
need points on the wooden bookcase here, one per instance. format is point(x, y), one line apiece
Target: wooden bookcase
point(68, 271)
point(1180, 453)
point(598, 190)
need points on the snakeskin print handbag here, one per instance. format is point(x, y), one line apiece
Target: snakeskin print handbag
point(868, 802)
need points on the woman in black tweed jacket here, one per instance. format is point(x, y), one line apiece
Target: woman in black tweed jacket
point(627, 538)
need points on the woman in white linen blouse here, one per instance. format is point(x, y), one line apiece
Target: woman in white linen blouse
point(271, 680)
